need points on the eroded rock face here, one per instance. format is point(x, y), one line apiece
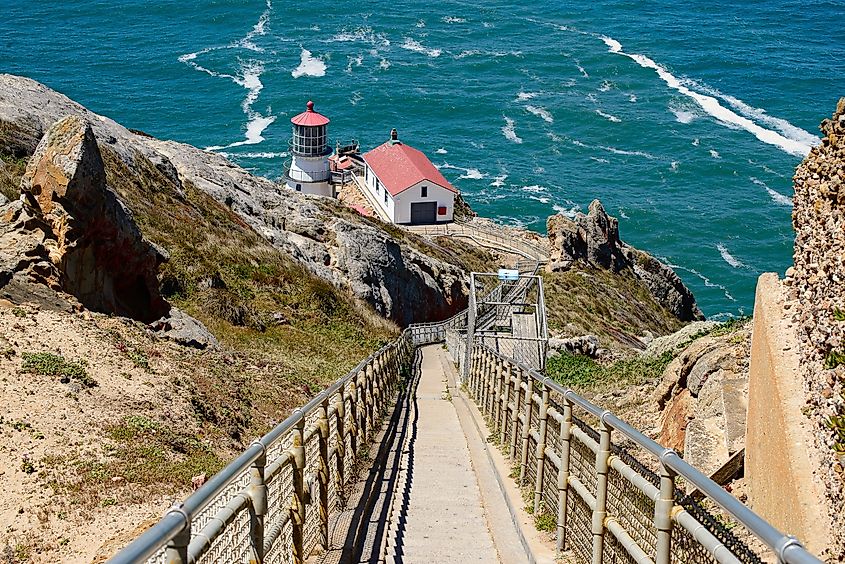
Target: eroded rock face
point(329, 246)
point(817, 295)
point(81, 239)
point(703, 399)
point(593, 240)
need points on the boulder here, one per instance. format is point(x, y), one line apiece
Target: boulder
point(90, 245)
point(593, 240)
point(671, 343)
point(180, 327)
point(586, 345)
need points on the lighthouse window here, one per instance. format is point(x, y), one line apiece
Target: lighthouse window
point(385, 196)
point(424, 192)
point(299, 187)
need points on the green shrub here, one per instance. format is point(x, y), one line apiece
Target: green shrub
point(584, 373)
point(49, 364)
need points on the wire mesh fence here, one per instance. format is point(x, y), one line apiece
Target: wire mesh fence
point(595, 479)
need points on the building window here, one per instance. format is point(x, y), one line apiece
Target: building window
point(424, 192)
point(385, 196)
point(299, 187)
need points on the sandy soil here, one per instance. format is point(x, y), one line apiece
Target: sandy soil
point(44, 421)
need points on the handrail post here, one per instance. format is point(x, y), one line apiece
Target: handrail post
point(353, 415)
point(517, 393)
point(298, 503)
point(176, 551)
point(663, 515)
point(565, 441)
point(258, 511)
point(506, 394)
point(496, 413)
point(526, 427)
point(368, 402)
point(541, 450)
point(340, 443)
point(323, 472)
point(600, 512)
point(485, 383)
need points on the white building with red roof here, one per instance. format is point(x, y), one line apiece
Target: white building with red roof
point(407, 186)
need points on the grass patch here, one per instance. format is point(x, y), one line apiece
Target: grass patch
point(615, 307)
point(834, 359)
point(142, 452)
point(11, 171)
point(53, 365)
point(582, 373)
point(545, 521)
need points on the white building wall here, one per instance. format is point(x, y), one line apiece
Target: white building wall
point(312, 174)
point(398, 207)
point(442, 196)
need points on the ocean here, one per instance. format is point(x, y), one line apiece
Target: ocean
point(687, 119)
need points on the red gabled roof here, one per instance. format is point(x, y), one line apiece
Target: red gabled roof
point(399, 167)
point(309, 117)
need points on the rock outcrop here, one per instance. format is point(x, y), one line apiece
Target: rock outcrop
point(398, 280)
point(593, 240)
point(73, 233)
point(703, 399)
point(816, 286)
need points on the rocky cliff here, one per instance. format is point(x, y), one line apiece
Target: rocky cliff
point(816, 286)
point(593, 240)
point(390, 273)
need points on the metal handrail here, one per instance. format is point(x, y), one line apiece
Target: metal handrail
point(173, 531)
point(787, 548)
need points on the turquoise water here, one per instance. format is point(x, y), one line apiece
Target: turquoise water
point(686, 119)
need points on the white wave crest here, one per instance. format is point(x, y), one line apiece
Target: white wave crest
point(541, 199)
point(499, 180)
point(384, 64)
point(632, 98)
point(309, 65)
point(468, 173)
point(605, 86)
point(581, 69)
point(541, 113)
point(570, 212)
point(525, 96)
point(535, 188)
point(355, 61)
point(616, 151)
point(799, 147)
point(695, 142)
point(509, 130)
point(607, 116)
point(674, 165)
point(599, 159)
point(682, 113)
point(715, 154)
point(728, 257)
point(787, 129)
point(452, 19)
point(707, 281)
point(776, 196)
point(260, 155)
point(417, 47)
point(441, 151)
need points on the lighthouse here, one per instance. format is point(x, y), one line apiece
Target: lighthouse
point(308, 169)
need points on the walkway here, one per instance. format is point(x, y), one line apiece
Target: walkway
point(440, 517)
point(432, 494)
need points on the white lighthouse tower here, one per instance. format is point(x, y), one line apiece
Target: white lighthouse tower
point(308, 171)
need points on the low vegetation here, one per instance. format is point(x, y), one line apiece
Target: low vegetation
point(139, 451)
point(583, 374)
point(615, 307)
point(11, 171)
point(53, 365)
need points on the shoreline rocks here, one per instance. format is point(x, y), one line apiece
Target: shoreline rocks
point(593, 240)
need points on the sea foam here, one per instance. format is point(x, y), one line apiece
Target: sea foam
point(509, 130)
point(776, 196)
point(417, 47)
point(309, 65)
point(541, 113)
point(728, 257)
point(799, 147)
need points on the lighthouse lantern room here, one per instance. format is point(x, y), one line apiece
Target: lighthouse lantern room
point(308, 169)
